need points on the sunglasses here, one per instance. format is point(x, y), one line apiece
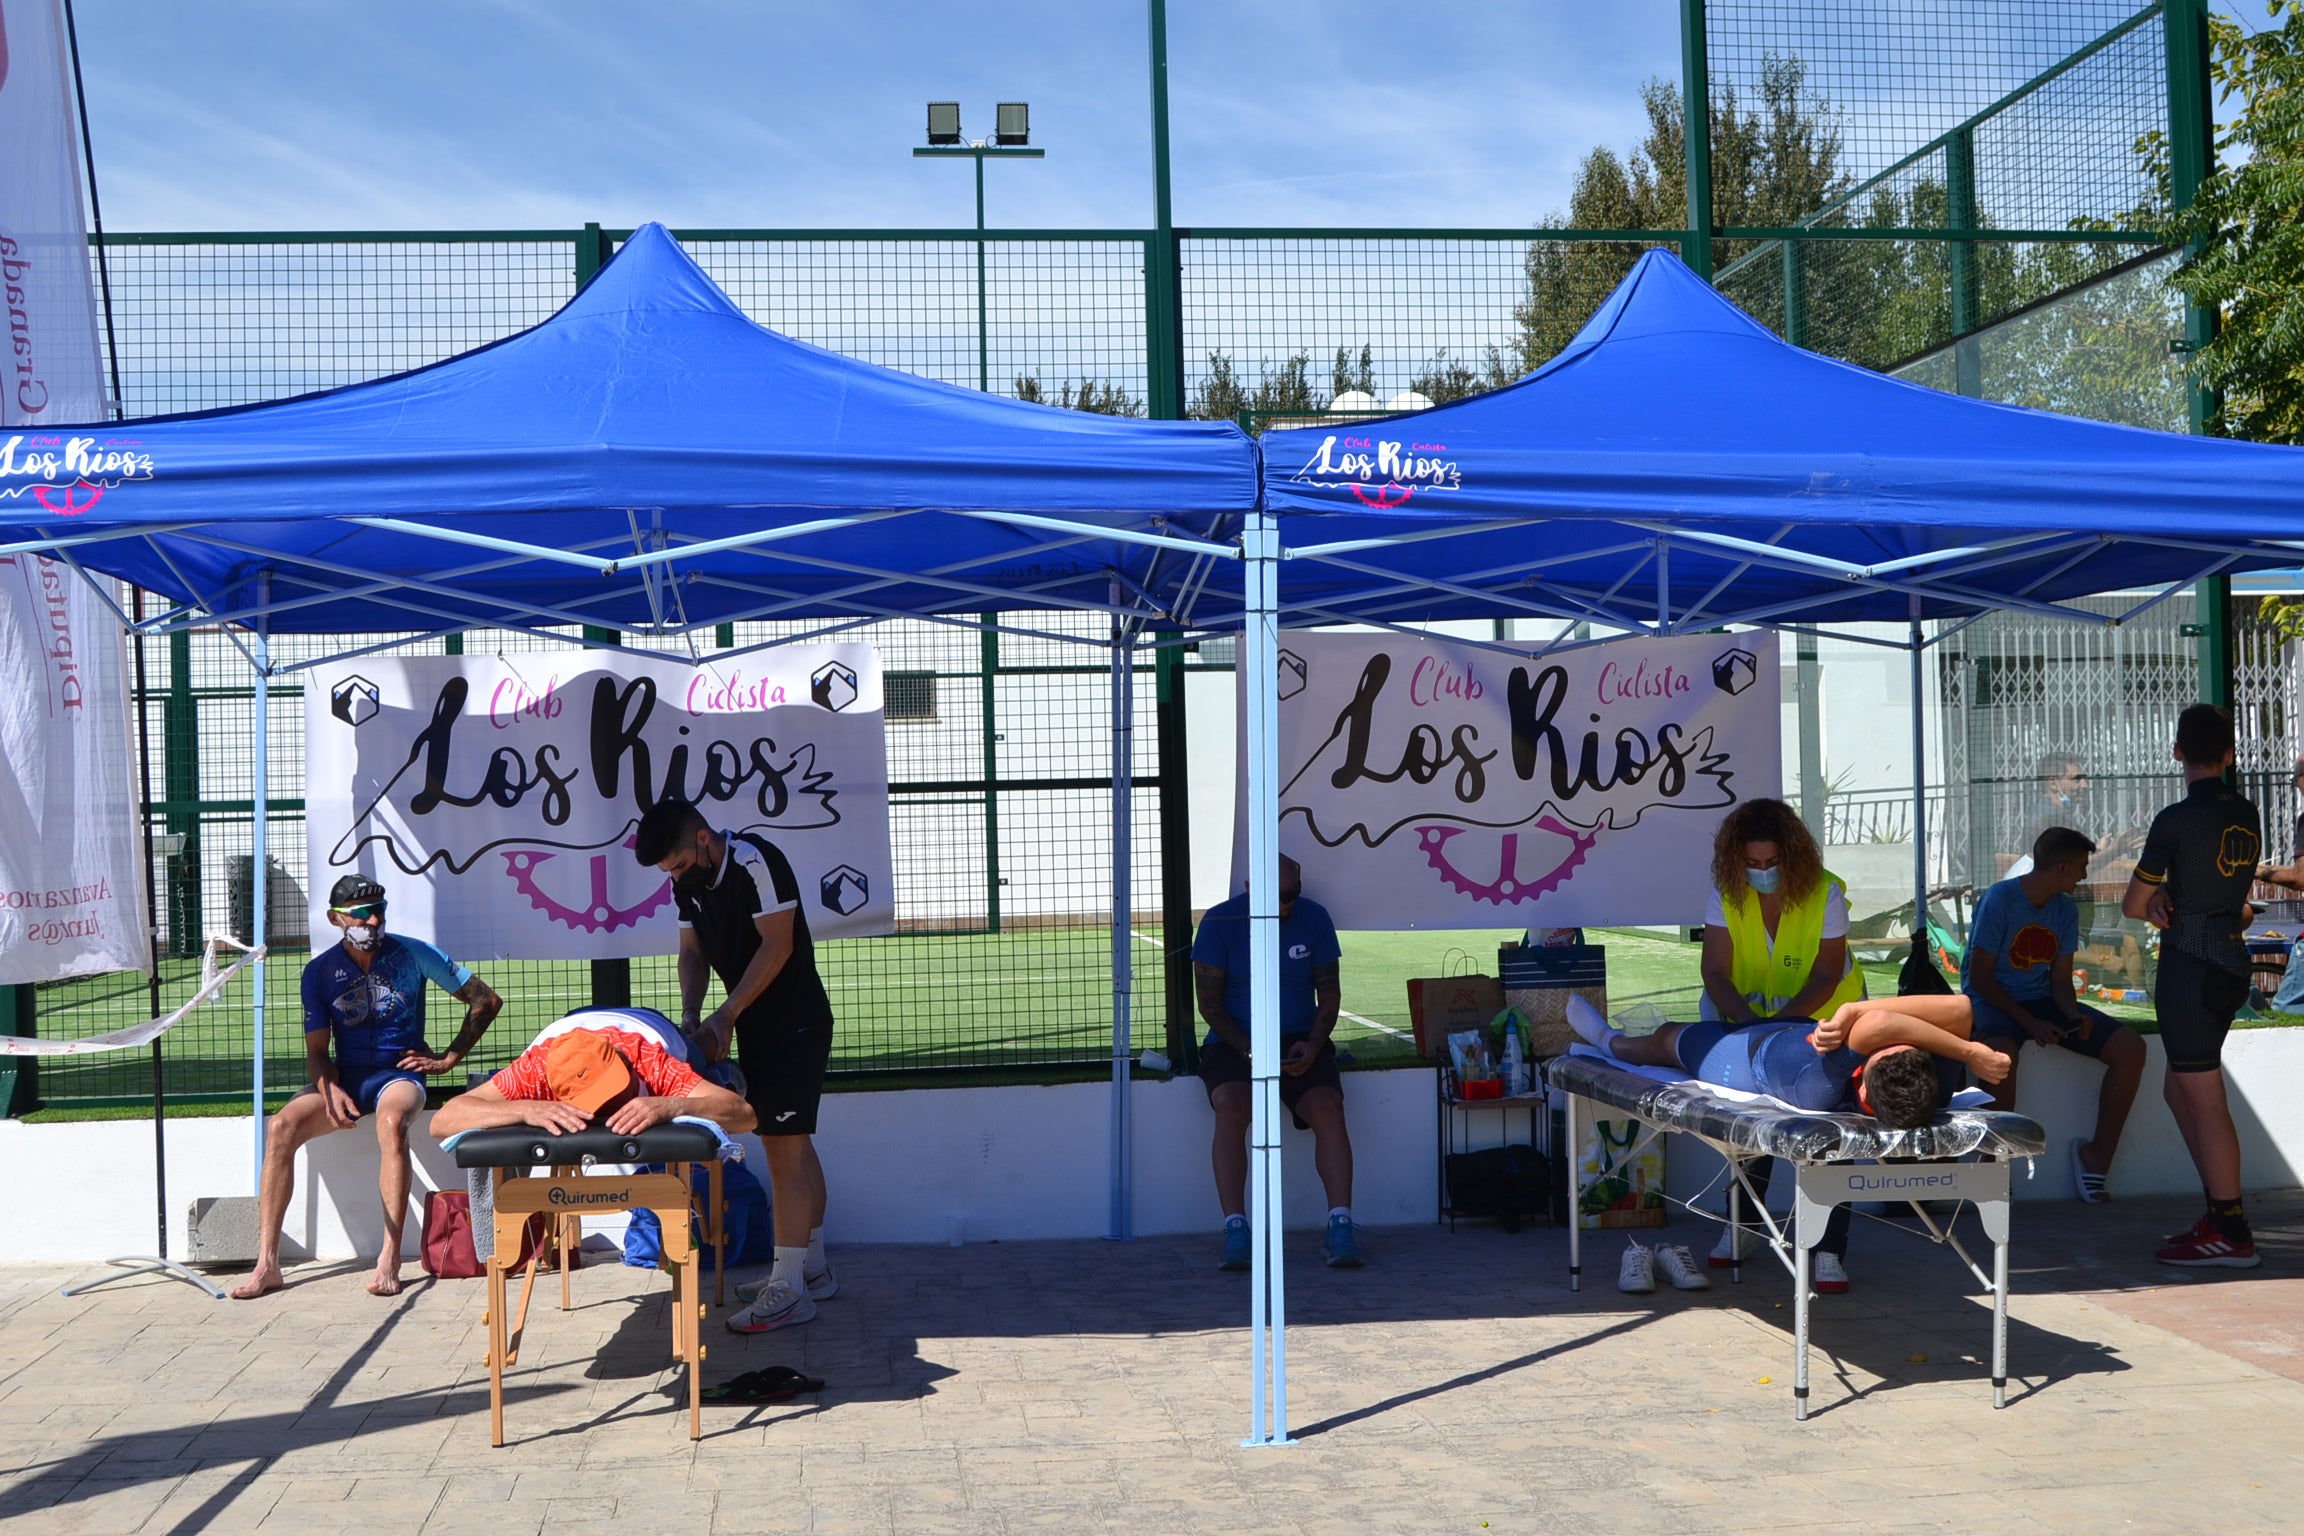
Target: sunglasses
point(366, 912)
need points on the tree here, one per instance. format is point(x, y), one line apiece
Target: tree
point(1773, 164)
point(2245, 231)
point(1282, 390)
point(1091, 395)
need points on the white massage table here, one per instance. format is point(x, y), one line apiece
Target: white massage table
point(1838, 1158)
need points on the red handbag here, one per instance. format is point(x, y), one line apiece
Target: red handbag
point(449, 1253)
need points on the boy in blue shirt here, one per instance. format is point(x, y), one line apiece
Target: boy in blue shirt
point(2018, 975)
point(366, 994)
point(1310, 1087)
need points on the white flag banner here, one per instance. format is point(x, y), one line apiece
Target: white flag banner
point(53, 366)
point(71, 879)
point(1426, 784)
point(495, 797)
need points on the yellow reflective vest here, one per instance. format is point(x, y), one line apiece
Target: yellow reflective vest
point(1770, 979)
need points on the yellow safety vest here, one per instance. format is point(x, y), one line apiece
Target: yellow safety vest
point(1769, 981)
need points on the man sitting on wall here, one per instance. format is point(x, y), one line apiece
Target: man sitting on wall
point(366, 995)
point(1310, 1087)
point(624, 1068)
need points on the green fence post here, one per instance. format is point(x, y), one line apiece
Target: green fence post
point(19, 1075)
point(1175, 856)
point(611, 979)
point(2191, 154)
point(1795, 292)
point(593, 248)
point(987, 697)
point(1960, 214)
point(1696, 126)
point(180, 777)
point(1163, 257)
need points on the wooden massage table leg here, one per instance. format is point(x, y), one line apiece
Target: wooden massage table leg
point(716, 1230)
point(496, 1335)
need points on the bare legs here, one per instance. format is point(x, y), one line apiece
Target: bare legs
point(2204, 1115)
point(796, 1183)
point(300, 1119)
point(394, 1107)
point(1321, 1108)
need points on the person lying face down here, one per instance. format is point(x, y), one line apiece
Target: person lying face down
point(603, 1068)
point(1896, 1059)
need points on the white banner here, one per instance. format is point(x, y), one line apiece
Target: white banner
point(495, 797)
point(53, 367)
point(1426, 784)
point(71, 878)
point(71, 883)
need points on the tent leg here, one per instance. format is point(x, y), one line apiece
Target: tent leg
point(1919, 793)
point(258, 898)
point(1123, 910)
point(1260, 673)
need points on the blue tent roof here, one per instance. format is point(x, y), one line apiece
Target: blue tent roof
point(1676, 440)
point(649, 414)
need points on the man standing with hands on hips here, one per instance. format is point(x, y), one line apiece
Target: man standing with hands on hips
point(741, 919)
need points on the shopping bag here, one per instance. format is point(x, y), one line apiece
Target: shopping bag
point(448, 1249)
point(1440, 1005)
point(1619, 1190)
point(1539, 981)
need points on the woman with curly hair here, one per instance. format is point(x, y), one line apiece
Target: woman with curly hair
point(1775, 948)
point(1776, 927)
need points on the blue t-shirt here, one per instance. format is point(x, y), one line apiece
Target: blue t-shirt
point(1307, 942)
point(2023, 940)
point(377, 1014)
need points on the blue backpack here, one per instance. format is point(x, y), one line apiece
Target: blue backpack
point(751, 1235)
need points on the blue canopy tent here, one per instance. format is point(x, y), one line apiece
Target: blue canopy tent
point(649, 458)
point(1677, 468)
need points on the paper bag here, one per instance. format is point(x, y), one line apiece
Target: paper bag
point(1438, 1005)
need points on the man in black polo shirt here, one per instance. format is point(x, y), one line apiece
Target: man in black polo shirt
point(741, 919)
point(2192, 884)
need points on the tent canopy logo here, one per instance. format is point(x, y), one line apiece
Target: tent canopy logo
point(1380, 472)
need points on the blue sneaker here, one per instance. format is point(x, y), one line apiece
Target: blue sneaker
point(1342, 1248)
point(1236, 1255)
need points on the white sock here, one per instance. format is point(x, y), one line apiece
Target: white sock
point(1590, 1025)
point(816, 1264)
point(789, 1268)
point(1335, 1211)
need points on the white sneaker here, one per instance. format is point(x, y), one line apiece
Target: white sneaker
point(823, 1285)
point(1637, 1274)
point(1734, 1247)
point(1679, 1267)
point(779, 1306)
point(1829, 1275)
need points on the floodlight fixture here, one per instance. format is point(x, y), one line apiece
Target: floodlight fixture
point(1012, 123)
point(944, 122)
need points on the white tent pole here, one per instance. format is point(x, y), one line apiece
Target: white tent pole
point(1919, 793)
point(261, 800)
point(1123, 908)
point(1268, 1311)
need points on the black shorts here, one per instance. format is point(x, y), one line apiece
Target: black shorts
point(784, 1064)
point(2195, 1002)
point(1220, 1064)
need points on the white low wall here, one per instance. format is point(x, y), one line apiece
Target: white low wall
point(1011, 1163)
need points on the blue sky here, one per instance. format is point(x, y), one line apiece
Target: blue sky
point(299, 114)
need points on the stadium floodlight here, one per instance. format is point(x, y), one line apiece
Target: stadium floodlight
point(943, 122)
point(1012, 123)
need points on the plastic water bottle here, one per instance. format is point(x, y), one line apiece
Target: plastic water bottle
point(1515, 1066)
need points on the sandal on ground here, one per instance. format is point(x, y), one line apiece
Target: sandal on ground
point(2089, 1186)
point(775, 1384)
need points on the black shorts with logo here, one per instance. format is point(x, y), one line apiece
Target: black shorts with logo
point(784, 1063)
point(1220, 1064)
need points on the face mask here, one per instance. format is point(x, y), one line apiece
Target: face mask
point(2063, 800)
point(365, 937)
point(1764, 881)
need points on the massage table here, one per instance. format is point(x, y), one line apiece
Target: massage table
point(1830, 1154)
point(566, 1194)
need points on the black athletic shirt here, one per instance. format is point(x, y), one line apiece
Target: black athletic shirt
point(2204, 847)
point(755, 877)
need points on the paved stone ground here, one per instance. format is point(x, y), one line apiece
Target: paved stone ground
point(1453, 1386)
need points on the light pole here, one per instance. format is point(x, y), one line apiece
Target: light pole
point(1011, 134)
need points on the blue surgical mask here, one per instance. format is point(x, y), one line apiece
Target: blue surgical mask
point(1764, 881)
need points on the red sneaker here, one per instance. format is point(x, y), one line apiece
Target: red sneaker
point(2206, 1247)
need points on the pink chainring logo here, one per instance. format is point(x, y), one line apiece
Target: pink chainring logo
point(598, 914)
point(1510, 883)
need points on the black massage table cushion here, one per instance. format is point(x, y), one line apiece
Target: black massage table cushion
point(519, 1146)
